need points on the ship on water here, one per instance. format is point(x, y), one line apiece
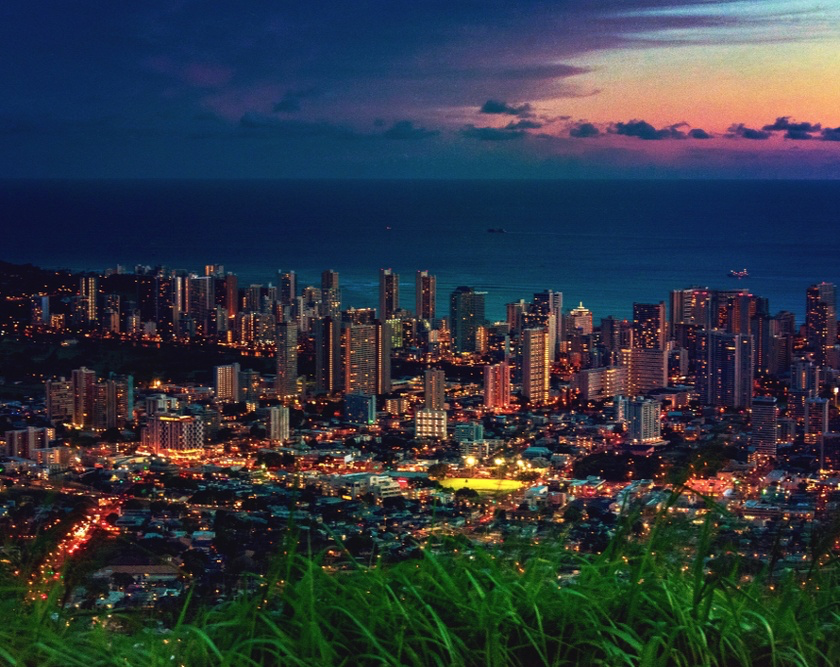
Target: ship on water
point(735, 273)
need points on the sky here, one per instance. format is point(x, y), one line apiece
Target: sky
point(421, 89)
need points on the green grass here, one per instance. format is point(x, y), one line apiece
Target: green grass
point(481, 484)
point(638, 603)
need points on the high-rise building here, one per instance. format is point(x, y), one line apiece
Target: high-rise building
point(580, 318)
point(535, 365)
point(278, 423)
point(60, 401)
point(425, 296)
point(643, 420)
point(201, 302)
point(285, 382)
point(821, 321)
point(497, 386)
point(389, 294)
point(548, 305)
point(434, 395)
point(599, 384)
point(816, 417)
point(647, 369)
point(725, 369)
point(330, 294)
point(649, 326)
point(360, 408)
point(288, 287)
point(227, 383)
point(328, 355)
point(231, 294)
point(22, 443)
point(84, 380)
point(430, 423)
point(764, 420)
point(466, 312)
point(173, 433)
point(89, 290)
point(367, 359)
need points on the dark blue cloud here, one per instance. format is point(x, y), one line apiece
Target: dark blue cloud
point(644, 130)
point(405, 130)
point(295, 129)
point(783, 123)
point(499, 107)
point(290, 103)
point(741, 130)
point(523, 124)
point(831, 134)
point(490, 133)
point(697, 133)
point(584, 131)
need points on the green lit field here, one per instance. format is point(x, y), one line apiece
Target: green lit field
point(482, 485)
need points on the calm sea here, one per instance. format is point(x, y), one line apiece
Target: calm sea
point(605, 243)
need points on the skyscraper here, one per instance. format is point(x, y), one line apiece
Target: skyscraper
point(278, 423)
point(497, 386)
point(649, 328)
point(535, 365)
point(231, 294)
point(389, 294)
point(581, 318)
point(725, 369)
point(466, 311)
point(367, 359)
point(327, 355)
point(89, 291)
point(643, 420)
point(425, 296)
point(285, 381)
point(227, 383)
point(288, 287)
point(765, 427)
point(821, 321)
point(84, 380)
point(434, 395)
point(330, 294)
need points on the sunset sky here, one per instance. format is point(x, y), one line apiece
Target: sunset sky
point(514, 89)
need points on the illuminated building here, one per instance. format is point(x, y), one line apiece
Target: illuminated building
point(816, 418)
point(278, 423)
point(764, 420)
point(430, 424)
point(360, 408)
point(367, 359)
point(60, 401)
point(40, 310)
point(173, 432)
point(642, 416)
point(425, 296)
point(201, 298)
point(547, 311)
point(466, 312)
point(821, 321)
point(231, 294)
point(227, 383)
point(725, 369)
point(23, 442)
point(580, 318)
point(535, 365)
point(598, 384)
point(327, 355)
point(497, 386)
point(330, 294)
point(89, 291)
point(389, 294)
point(83, 380)
point(285, 381)
point(434, 389)
point(647, 369)
point(288, 287)
point(649, 327)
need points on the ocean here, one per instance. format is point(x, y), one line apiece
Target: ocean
point(603, 243)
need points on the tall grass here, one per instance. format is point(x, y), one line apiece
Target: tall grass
point(639, 603)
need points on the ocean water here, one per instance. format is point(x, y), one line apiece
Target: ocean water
point(603, 243)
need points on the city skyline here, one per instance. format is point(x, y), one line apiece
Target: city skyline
point(638, 88)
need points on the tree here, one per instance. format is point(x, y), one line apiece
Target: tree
point(438, 470)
